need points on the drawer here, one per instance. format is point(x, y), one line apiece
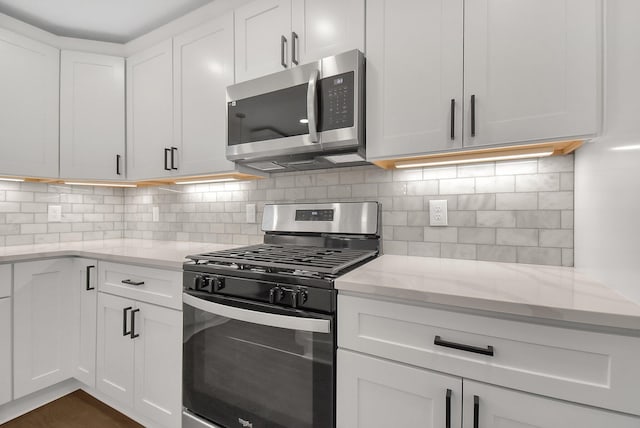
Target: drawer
point(581, 366)
point(157, 286)
point(5, 281)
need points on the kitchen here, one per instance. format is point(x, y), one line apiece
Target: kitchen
point(536, 223)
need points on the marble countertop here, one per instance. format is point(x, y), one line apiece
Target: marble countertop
point(159, 254)
point(547, 292)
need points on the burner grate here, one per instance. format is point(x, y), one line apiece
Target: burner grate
point(291, 257)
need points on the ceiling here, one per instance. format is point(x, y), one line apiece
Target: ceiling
point(117, 21)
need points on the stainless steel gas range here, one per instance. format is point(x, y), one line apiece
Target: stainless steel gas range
point(259, 321)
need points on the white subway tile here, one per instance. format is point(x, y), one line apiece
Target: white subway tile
point(555, 200)
point(539, 256)
point(475, 235)
point(516, 167)
point(566, 219)
point(441, 234)
point(394, 218)
point(566, 181)
point(556, 164)
point(477, 170)
point(403, 233)
point(408, 203)
point(378, 176)
point(538, 182)
point(428, 187)
point(495, 219)
point(562, 238)
point(462, 218)
point(343, 191)
point(439, 173)
point(407, 174)
point(517, 237)
point(399, 248)
point(495, 184)
point(567, 257)
point(516, 201)
point(352, 177)
point(538, 219)
point(476, 202)
point(496, 253)
point(424, 249)
point(458, 251)
point(457, 186)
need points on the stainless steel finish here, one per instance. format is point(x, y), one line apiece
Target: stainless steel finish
point(278, 149)
point(349, 218)
point(283, 50)
point(261, 318)
point(312, 103)
point(294, 47)
point(189, 420)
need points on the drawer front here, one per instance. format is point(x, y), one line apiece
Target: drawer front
point(5, 281)
point(157, 286)
point(592, 368)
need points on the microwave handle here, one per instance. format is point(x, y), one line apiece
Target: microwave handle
point(312, 106)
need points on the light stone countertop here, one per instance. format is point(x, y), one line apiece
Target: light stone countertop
point(159, 254)
point(546, 292)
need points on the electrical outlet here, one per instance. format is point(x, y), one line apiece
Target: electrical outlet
point(54, 213)
point(155, 213)
point(251, 213)
point(438, 212)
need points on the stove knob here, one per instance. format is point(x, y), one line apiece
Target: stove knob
point(198, 281)
point(275, 294)
point(298, 297)
point(218, 283)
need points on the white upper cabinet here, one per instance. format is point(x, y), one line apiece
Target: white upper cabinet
point(322, 28)
point(272, 35)
point(262, 31)
point(29, 103)
point(150, 149)
point(532, 66)
point(91, 116)
point(414, 76)
point(203, 68)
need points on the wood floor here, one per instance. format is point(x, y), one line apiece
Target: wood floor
point(75, 410)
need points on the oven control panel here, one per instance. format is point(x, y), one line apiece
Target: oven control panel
point(314, 215)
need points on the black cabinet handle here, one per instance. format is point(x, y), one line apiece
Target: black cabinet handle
point(476, 411)
point(473, 115)
point(447, 421)
point(173, 157)
point(124, 321)
point(453, 119)
point(118, 165)
point(484, 351)
point(88, 286)
point(130, 282)
point(283, 50)
point(294, 37)
point(166, 160)
point(133, 324)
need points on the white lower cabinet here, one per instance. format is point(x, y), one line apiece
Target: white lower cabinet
point(139, 358)
point(376, 393)
point(503, 408)
point(84, 286)
point(5, 350)
point(42, 320)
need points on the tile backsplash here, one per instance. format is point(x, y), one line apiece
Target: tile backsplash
point(87, 213)
point(514, 211)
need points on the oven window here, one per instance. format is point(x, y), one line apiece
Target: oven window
point(277, 114)
point(236, 371)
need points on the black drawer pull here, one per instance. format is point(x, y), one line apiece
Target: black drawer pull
point(88, 286)
point(124, 321)
point(133, 324)
point(476, 411)
point(447, 421)
point(130, 282)
point(484, 351)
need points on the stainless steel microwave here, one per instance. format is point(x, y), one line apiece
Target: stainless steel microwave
point(307, 117)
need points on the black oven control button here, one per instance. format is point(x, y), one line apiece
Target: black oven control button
point(298, 297)
point(275, 295)
point(217, 282)
point(198, 282)
point(203, 283)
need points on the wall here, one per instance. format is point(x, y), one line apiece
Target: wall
point(87, 213)
point(607, 169)
point(519, 211)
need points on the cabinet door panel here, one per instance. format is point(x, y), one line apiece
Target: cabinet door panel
point(203, 69)
point(326, 28)
point(5, 350)
point(91, 115)
point(158, 364)
point(149, 111)
point(375, 393)
point(532, 66)
point(259, 28)
point(114, 369)
point(85, 296)
point(504, 408)
point(414, 70)
point(28, 106)
point(41, 324)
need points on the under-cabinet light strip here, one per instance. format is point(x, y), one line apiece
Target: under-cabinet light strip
point(212, 180)
point(11, 179)
point(435, 162)
point(75, 183)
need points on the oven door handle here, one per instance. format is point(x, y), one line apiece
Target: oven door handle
point(314, 325)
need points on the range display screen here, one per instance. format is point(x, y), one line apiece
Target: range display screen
point(314, 215)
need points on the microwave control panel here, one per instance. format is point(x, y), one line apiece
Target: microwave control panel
point(337, 94)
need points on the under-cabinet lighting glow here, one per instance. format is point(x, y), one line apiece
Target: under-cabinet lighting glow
point(74, 183)
point(11, 179)
point(436, 162)
point(212, 180)
point(624, 148)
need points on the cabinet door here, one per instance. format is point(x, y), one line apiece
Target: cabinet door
point(150, 113)
point(42, 320)
point(28, 106)
point(115, 349)
point(375, 393)
point(414, 76)
point(260, 47)
point(505, 408)
point(91, 116)
point(203, 68)
point(158, 364)
point(5, 350)
point(85, 295)
point(532, 67)
point(325, 28)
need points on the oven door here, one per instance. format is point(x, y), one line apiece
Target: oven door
point(253, 365)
